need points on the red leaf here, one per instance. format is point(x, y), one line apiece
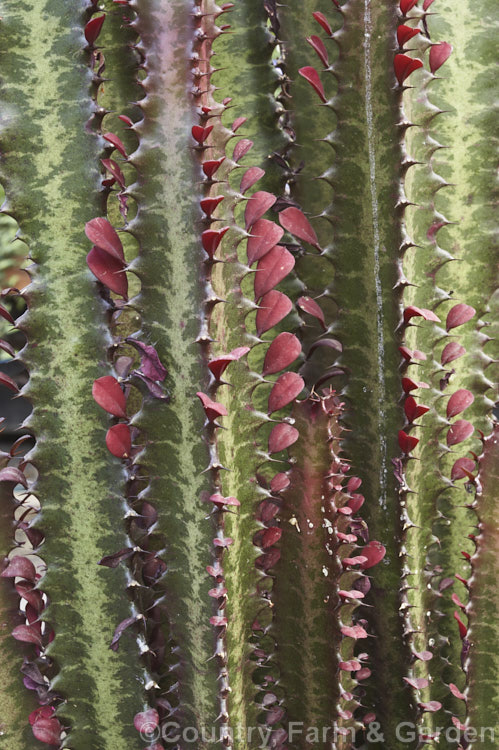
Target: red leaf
point(211, 239)
point(286, 388)
point(211, 166)
point(352, 594)
point(427, 4)
point(219, 622)
point(458, 402)
point(265, 235)
point(405, 33)
point(258, 204)
point(6, 315)
point(296, 223)
point(459, 315)
point(456, 692)
point(118, 175)
point(408, 384)
point(116, 142)
point(108, 394)
point(47, 731)
point(423, 655)
point(221, 501)
point(274, 306)
point(349, 666)
point(102, 234)
point(208, 205)
point(356, 502)
point(270, 537)
point(463, 630)
point(406, 5)
point(439, 53)
point(200, 134)
point(404, 66)
point(7, 381)
point(21, 567)
point(311, 75)
point(241, 149)
point(146, 721)
point(108, 270)
point(218, 365)
point(212, 409)
point(93, 29)
point(462, 468)
point(114, 560)
point(310, 306)
point(12, 474)
point(320, 48)
point(322, 21)
point(44, 712)
point(27, 634)
point(284, 349)
point(120, 629)
point(252, 175)
point(375, 552)
point(452, 351)
point(412, 311)
point(124, 118)
point(272, 269)
point(418, 683)
point(354, 631)
point(237, 123)
point(282, 436)
point(407, 442)
point(431, 706)
point(459, 431)
point(119, 440)
point(413, 410)
point(150, 363)
point(280, 482)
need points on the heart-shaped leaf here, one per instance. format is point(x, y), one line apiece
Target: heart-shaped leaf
point(462, 468)
point(375, 552)
point(404, 66)
point(405, 33)
point(218, 365)
point(310, 306)
point(413, 410)
point(212, 409)
point(407, 442)
point(274, 306)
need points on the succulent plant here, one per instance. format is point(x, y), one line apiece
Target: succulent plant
point(254, 503)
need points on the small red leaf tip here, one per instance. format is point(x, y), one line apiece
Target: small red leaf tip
point(282, 436)
point(20, 566)
point(404, 66)
point(439, 53)
point(108, 394)
point(218, 365)
point(322, 21)
point(200, 134)
point(458, 402)
point(238, 122)
point(119, 440)
point(354, 631)
point(102, 234)
point(211, 238)
point(458, 432)
point(320, 48)
point(407, 442)
point(286, 388)
point(418, 683)
point(405, 33)
point(284, 349)
point(296, 223)
point(222, 501)
point(458, 315)
point(463, 630)
point(212, 409)
point(311, 75)
point(116, 142)
point(93, 29)
point(407, 5)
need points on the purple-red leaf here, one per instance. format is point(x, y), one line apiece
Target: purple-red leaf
point(354, 631)
point(405, 33)
point(116, 172)
point(459, 431)
point(93, 29)
point(456, 692)
point(404, 66)
point(458, 315)
point(27, 634)
point(310, 306)
point(250, 177)
point(270, 537)
point(374, 551)
point(274, 306)
point(258, 204)
point(241, 148)
point(212, 409)
point(413, 311)
point(413, 410)
point(116, 142)
point(13, 474)
point(462, 468)
point(150, 363)
point(272, 269)
point(356, 502)
point(21, 567)
point(431, 706)
point(406, 5)
point(286, 388)
point(407, 442)
point(322, 21)
point(47, 731)
point(296, 223)
point(108, 394)
point(124, 624)
point(282, 436)
point(280, 482)
point(418, 683)
point(108, 270)
point(451, 351)
point(200, 134)
point(221, 501)
point(237, 123)
point(439, 53)
point(284, 349)
point(208, 205)
point(218, 365)
point(211, 239)
point(311, 75)
point(119, 440)
point(113, 560)
point(265, 235)
point(211, 166)
point(320, 48)
point(458, 402)
point(146, 721)
point(8, 382)
point(6, 315)
point(463, 630)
